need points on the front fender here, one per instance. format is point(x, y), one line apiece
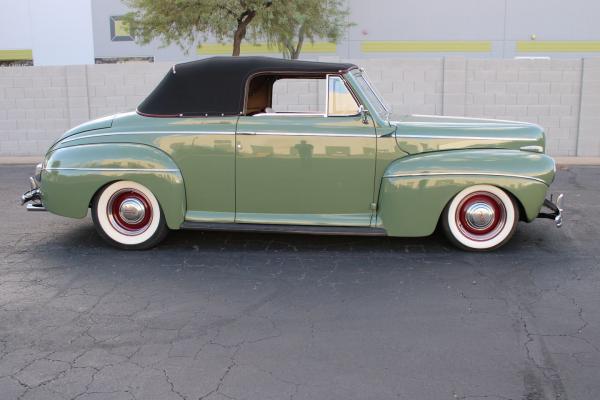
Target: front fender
point(416, 189)
point(72, 175)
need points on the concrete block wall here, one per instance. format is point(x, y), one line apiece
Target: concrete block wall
point(37, 104)
point(409, 86)
point(33, 109)
point(588, 139)
point(114, 88)
point(545, 92)
point(300, 95)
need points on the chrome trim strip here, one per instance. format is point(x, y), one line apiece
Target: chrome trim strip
point(310, 134)
point(70, 138)
point(287, 228)
point(400, 136)
point(219, 133)
point(288, 114)
point(466, 173)
point(113, 169)
point(467, 119)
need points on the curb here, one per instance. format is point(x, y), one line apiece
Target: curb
point(19, 160)
point(577, 160)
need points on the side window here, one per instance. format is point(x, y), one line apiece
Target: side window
point(339, 98)
point(298, 95)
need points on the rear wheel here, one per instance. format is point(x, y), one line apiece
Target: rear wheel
point(481, 217)
point(127, 215)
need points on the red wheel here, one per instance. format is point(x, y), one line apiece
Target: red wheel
point(129, 212)
point(481, 217)
point(127, 215)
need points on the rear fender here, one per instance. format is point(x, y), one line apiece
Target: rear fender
point(72, 175)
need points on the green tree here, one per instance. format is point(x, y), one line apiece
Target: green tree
point(288, 24)
point(183, 21)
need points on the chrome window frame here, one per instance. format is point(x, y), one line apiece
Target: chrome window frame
point(348, 88)
point(363, 74)
point(326, 114)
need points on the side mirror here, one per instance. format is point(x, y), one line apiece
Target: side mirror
point(363, 113)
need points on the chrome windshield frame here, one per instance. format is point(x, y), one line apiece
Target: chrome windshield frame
point(382, 102)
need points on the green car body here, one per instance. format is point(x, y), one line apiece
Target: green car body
point(359, 171)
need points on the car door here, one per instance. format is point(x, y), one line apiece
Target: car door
point(307, 169)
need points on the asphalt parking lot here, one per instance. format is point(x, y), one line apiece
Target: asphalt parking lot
point(266, 316)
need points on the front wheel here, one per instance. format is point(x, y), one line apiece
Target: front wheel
point(481, 217)
point(127, 215)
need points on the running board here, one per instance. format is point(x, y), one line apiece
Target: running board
point(276, 228)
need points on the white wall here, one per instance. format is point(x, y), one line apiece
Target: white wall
point(62, 32)
point(58, 32)
point(15, 25)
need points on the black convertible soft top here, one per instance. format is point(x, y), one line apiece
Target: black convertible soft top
point(217, 85)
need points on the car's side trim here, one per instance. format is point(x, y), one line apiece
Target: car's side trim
point(112, 169)
point(278, 228)
point(418, 174)
point(399, 136)
point(218, 133)
point(69, 139)
point(452, 137)
point(307, 134)
point(465, 119)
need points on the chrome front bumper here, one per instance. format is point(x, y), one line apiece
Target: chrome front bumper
point(556, 209)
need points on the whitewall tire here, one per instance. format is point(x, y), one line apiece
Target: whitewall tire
point(127, 215)
point(480, 217)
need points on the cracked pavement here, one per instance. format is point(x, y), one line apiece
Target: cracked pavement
point(216, 316)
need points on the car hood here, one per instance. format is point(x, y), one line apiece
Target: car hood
point(94, 125)
point(424, 133)
point(99, 123)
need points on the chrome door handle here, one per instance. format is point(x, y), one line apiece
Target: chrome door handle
point(246, 133)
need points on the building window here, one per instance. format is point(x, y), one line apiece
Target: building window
point(119, 30)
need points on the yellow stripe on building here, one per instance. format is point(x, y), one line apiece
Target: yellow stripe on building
point(390, 46)
point(16, 55)
point(262, 48)
point(319, 47)
point(558, 46)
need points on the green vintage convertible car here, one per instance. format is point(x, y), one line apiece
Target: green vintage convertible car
point(210, 148)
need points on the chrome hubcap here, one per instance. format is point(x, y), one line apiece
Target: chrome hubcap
point(129, 212)
point(480, 215)
point(132, 210)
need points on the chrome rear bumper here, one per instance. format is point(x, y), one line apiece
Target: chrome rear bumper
point(33, 197)
point(36, 207)
point(556, 210)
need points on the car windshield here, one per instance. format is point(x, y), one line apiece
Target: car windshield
point(372, 95)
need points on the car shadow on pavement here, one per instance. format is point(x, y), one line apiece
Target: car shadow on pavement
point(82, 241)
